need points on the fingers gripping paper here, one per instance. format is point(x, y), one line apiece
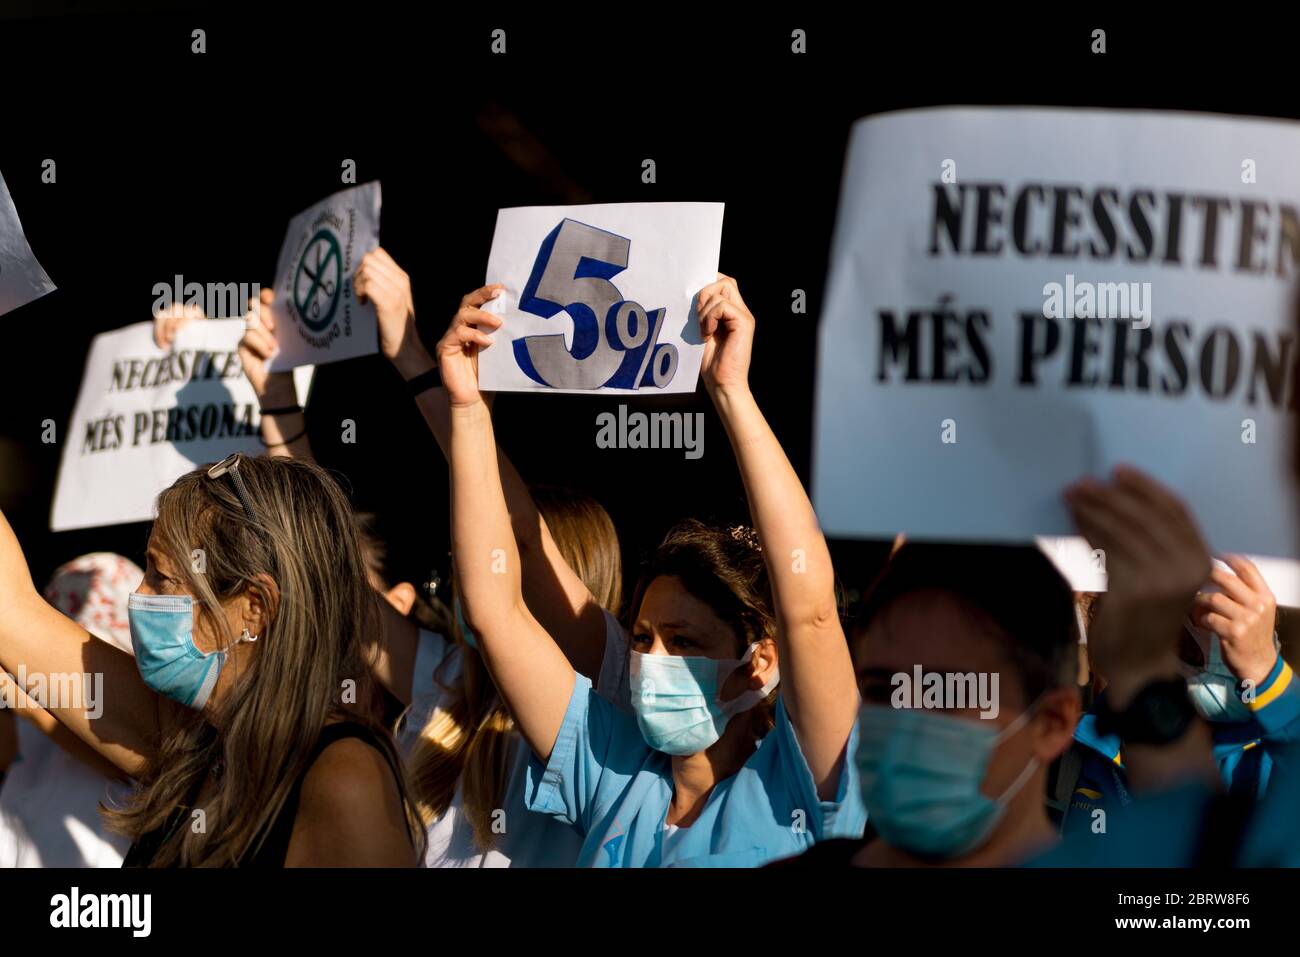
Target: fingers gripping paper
point(1020, 297)
point(21, 277)
point(600, 298)
point(145, 417)
point(318, 319)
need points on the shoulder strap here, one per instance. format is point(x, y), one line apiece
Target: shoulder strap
point(1068, 767)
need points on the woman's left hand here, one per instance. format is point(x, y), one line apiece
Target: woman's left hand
point(727, 326)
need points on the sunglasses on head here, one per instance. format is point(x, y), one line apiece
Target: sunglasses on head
point(230, 466)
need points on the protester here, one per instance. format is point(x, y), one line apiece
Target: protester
point(681, 782)
point(466, 759)
point(49, 806)
point(467, 763)
point(1237, 680)
point(248, 722)
point(1156, 561)
point(965, 657)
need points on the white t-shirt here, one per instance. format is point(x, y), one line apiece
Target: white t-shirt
point(528, 839)
point(49, 813)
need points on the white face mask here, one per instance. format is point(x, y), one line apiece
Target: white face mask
point(1213, 689)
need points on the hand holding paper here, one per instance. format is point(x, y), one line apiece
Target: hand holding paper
point(599, 298)
point(459, 348)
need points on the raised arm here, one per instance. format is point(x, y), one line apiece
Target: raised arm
point(531, 672)
point(1155, 562)
point(817, 682)
point(37, 642)
point(50, 726)
point(553, 591)
point(284, 427)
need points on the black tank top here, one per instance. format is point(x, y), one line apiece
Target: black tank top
point(275, 848)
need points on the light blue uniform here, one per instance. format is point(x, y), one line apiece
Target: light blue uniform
point(528, 840)
point(605, 781)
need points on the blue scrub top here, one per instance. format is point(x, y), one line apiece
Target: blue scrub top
point(529, 840)
point(614, 789)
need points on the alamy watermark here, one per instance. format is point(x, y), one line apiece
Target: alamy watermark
point(946, 690)
point(218, 300)
point(75, 690)
point(1098, 300)
point(656, 430)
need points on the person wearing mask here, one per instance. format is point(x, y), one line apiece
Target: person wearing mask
point(689, 779)
point(465, 758)
point(956, 776)
point(246, 716)
point(1238, 682)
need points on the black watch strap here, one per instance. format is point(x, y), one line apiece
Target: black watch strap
point(1160, 713)
point(424, 382)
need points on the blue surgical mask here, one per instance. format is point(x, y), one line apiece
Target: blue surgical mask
point(920, 775)
point(676, 700)
point(162, 635)
point(1213, 689)
point(462, 624)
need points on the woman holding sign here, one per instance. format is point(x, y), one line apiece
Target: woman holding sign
point(246, 714)
point(683, 781)
point(466, 763)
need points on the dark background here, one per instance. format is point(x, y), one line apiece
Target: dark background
point(173, 163)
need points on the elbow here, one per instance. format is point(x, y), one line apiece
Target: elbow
point(813, 618)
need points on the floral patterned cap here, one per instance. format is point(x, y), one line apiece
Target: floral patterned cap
point(92, 591)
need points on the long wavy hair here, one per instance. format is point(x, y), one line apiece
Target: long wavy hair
point(310, 666)
point(468, 739)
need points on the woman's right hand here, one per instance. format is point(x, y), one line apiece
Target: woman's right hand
point(459, 347)
point(256, 348)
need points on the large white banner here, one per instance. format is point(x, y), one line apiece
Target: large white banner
point(21, 277)
point(318, 318)
point(145, 417)
point(1019, 297)
point(600, 298)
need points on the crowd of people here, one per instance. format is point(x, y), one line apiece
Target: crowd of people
point(283, 702)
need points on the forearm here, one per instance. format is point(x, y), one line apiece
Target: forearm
point(552, 590)
point(798, 561)
point(107, 704)
point(66, 740)
point(817, 678)
point(529, 669)
point(38, 644)
point(284, 434)
point(1159, 767)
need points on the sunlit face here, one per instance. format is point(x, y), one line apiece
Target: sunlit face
point(162, 577)
point(672, 621)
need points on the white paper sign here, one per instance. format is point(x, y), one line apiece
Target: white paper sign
point(317, 317)
point(1084, 567)
point(145, 417)
point(1021, 297)
point(21, 277)
point(600, 298)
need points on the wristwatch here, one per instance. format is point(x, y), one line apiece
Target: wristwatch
point(1158, 714)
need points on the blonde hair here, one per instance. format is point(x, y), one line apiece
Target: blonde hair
point(468, 741)
point(304, 537)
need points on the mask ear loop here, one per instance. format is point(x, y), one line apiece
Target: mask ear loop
point(750, 696)
point(1019, 724)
